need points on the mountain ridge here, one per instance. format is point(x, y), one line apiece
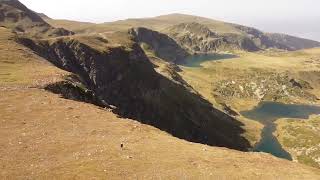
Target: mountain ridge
point(16, 16)
point(230, 31)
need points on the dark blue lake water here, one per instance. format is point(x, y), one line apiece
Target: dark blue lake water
point(197, 60)
point(267, 113)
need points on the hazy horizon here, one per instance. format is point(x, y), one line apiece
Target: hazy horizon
point(294, 17)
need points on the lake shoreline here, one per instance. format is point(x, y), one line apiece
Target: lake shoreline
point(268, 113)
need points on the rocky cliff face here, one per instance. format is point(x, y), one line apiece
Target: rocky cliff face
point(124, 78)
point(16, 16)
point(198, 38)
point(259, 38)
point(293, 43)
point(161, 44)
point(277, 41)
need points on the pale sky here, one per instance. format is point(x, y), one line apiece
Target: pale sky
point(296, 17)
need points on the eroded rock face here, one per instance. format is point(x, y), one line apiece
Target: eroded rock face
point(125, 78)
point(293, 43)
point(277, 41)
point(198, 38)
point(260, 39)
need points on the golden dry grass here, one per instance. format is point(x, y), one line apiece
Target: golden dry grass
point(21, 67)
point(74, 26)
point(157, 23)
point(43, 136)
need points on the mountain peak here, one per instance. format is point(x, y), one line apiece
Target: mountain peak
point(192, 27)
point(18, 10)
point(43, 16)
point(185, 18)
point(16, 16)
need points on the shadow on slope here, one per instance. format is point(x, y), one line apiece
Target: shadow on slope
point(161, 44)
point(197, 60)
point(124, 78)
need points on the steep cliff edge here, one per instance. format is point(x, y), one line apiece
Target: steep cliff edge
point(124, 78)
point(160, 44)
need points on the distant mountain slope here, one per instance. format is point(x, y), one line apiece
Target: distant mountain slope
point(275, 40)
point(228, 35)
point(293, 43)
point(155, 23)
point(259, 38)
point(198, 38)
point(43, 16)
point(75, 26)
point(162, 22)
point(16, 16)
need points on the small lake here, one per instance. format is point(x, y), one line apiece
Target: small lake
point(267, 113)
point(197, 60)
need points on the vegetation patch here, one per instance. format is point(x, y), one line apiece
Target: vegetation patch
point(264, 85)
point(301, 138)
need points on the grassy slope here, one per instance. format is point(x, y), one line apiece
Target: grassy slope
point(157, 23)
point(234, 32)
point(44, 136)
point(19, 67)
point(301, 138)
point(68, 24)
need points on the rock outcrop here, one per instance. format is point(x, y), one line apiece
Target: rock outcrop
point(276, 41)
point(198, 38)
point(292, 42)
point(16, 16)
